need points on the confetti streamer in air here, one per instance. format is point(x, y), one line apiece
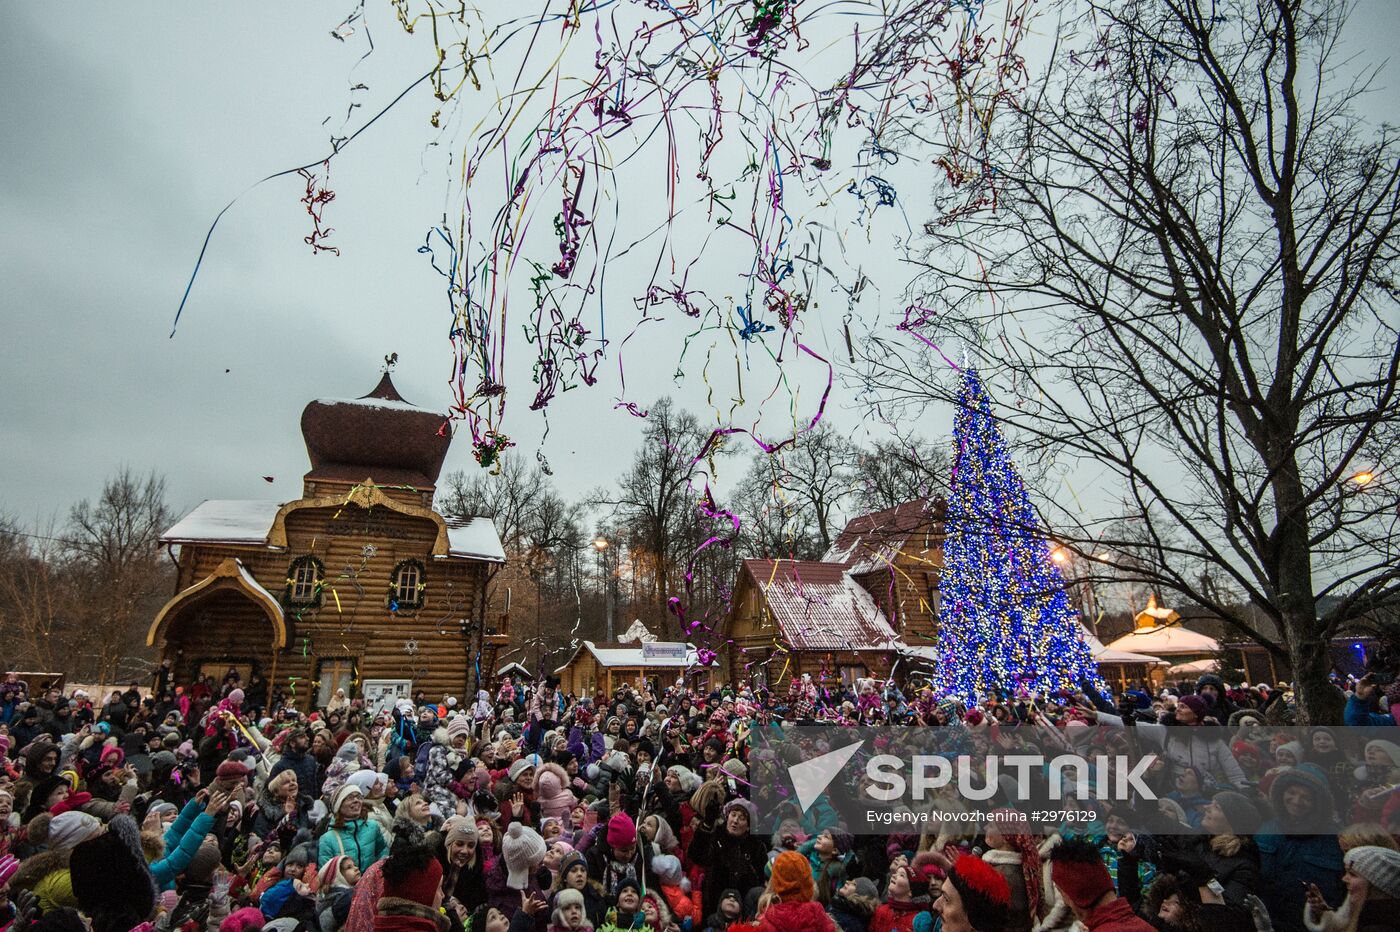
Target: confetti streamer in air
point(631, 180)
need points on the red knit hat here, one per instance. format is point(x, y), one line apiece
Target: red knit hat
point(232, 770)
point(1083, 881)
point(792, 878)
point(418, 886)
point(622, 831)
point(985, 895)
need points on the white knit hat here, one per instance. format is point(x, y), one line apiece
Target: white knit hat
point(342, 793)
point(1380, 866)
point(72, 828)
point(523, 849)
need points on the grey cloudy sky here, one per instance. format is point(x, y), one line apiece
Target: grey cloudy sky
point(123, 129)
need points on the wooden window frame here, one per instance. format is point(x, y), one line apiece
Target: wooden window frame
point(398, 604)
point(289, 597)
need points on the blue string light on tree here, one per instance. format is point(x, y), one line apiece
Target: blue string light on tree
point(1005, 623)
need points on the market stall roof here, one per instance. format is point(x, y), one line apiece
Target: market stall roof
point(1165, 641)
point(1193, 667)
point(1103, 654)
point(628, 656)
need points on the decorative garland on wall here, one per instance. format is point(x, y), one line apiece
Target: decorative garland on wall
point(292, 570)
point(397, 604)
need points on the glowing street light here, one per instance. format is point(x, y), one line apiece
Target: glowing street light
point(1059, 555)
point(1365, 477)
point(600, 543)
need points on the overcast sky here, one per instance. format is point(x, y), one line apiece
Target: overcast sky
point(124, 129)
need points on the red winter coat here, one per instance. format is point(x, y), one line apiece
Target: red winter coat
point(796, 917)
point(897, 915)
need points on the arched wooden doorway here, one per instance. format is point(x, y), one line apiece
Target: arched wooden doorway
point(225, 620)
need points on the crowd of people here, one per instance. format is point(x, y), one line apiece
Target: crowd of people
point(220, 807)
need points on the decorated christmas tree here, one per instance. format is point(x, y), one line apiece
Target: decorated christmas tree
point(1005, 623)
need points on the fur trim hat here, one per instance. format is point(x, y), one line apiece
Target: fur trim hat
point(111, 881)
point(986, 897)
point(523, 850)
point(568, 896)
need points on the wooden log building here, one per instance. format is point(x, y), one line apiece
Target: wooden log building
point(870, 601)
point(359, 584)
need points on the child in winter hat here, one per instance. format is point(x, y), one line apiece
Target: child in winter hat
point(553, 793)
point(569, 913)
point(335, 889)
point(675, 888)
point(523, 850)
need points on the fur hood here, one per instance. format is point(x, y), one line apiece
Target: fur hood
point(36, 868)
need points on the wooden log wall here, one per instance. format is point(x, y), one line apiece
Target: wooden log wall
point(359, 549)
point(224, 626)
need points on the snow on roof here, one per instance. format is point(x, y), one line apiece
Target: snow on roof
point(475, 537)
point(926, 652)
point(1102, 654)
point(818, 606)
point(257, 586)
point(390, 404)
point(230, 521)
point(871, 541)
point(624, 655)
point(1165, 641)
point(1193, 666)
point(226, 521)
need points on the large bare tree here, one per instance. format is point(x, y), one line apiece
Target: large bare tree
point(38, 601)
point(1187, 287)
point(122, 574)
point(655, 505)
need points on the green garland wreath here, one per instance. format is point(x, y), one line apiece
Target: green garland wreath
point(315, 600)
point(420, 597)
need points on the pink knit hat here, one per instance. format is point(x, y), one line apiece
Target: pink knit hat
point(622, 831)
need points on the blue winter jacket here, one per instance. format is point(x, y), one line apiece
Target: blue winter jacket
point(182, 840)
point(361, 841)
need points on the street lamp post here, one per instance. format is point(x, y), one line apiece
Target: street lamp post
point(600, 544)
